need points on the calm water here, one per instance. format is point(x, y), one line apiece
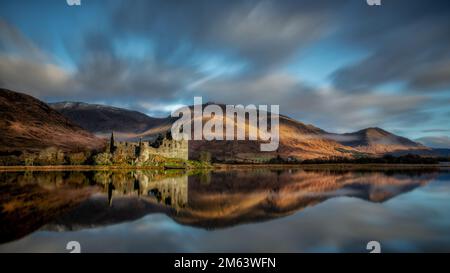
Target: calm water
point(237, 211)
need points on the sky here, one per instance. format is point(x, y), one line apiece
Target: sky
point(340, 65)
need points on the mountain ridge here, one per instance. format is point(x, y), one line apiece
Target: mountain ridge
point(103, 119)
point(297, 139)
point(73, 124)
point(376, 140)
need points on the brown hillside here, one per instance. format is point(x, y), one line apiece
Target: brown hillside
point(27, 124)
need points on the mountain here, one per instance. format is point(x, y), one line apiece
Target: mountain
point(303, 141)
point(102, 119)
point(297, 139)
point(377, 141)
point(27, 124)
point(439, 142)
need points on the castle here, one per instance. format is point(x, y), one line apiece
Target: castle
point(140, 151)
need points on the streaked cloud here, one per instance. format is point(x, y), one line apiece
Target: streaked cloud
point(390, 66)
point(435, 141)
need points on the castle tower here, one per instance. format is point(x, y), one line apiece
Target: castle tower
point(140, 148)
point(111, 143)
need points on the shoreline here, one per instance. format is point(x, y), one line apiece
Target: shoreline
point(224, 167)
point(340, 167)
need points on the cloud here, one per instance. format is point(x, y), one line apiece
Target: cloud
point(262, 33)
point(107, 73)
point(407, 42)
point(148, 54)
point(100, 73)
point(436, 130)
point(435, 141)
point(25, 67)
point(28, 76)
point(437, 77)
point(13, 42)
point(332, 108)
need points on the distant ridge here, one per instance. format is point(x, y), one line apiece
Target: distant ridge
point(103, 119)
point(377, 141)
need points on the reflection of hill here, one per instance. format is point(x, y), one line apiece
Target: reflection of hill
point(232, 198)
point(74, 200)
point(28, 201)
point(241, 197)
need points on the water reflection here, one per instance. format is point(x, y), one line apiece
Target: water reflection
point(67, 201)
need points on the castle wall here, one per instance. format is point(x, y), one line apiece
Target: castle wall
point(169, 148)
point(173, 190)
point(174, 149)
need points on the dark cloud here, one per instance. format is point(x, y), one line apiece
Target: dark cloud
point(102, 71)
point(263, 33)
point(436, 77)
point(327, 106)
point(101, 74)
point(407, 42)
point(260, 34)
point(193, 48)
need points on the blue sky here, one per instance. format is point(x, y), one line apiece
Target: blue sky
point(340, 65)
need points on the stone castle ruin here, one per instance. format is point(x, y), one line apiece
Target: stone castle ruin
point(141, 151)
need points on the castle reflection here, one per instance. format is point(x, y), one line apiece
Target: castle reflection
point(170, 189)
point(61, 201)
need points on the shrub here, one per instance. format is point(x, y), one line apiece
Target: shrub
point(205, 156)
point(29, 159)
point(387, 159)
point(77, 158)
point(51, 156)
point(10, 160)
point(103, 159)
point(119, 157)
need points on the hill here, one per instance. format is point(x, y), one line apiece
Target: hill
point(102, 119)
point(377, 141)
point(28, 124)
point(297, 140)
